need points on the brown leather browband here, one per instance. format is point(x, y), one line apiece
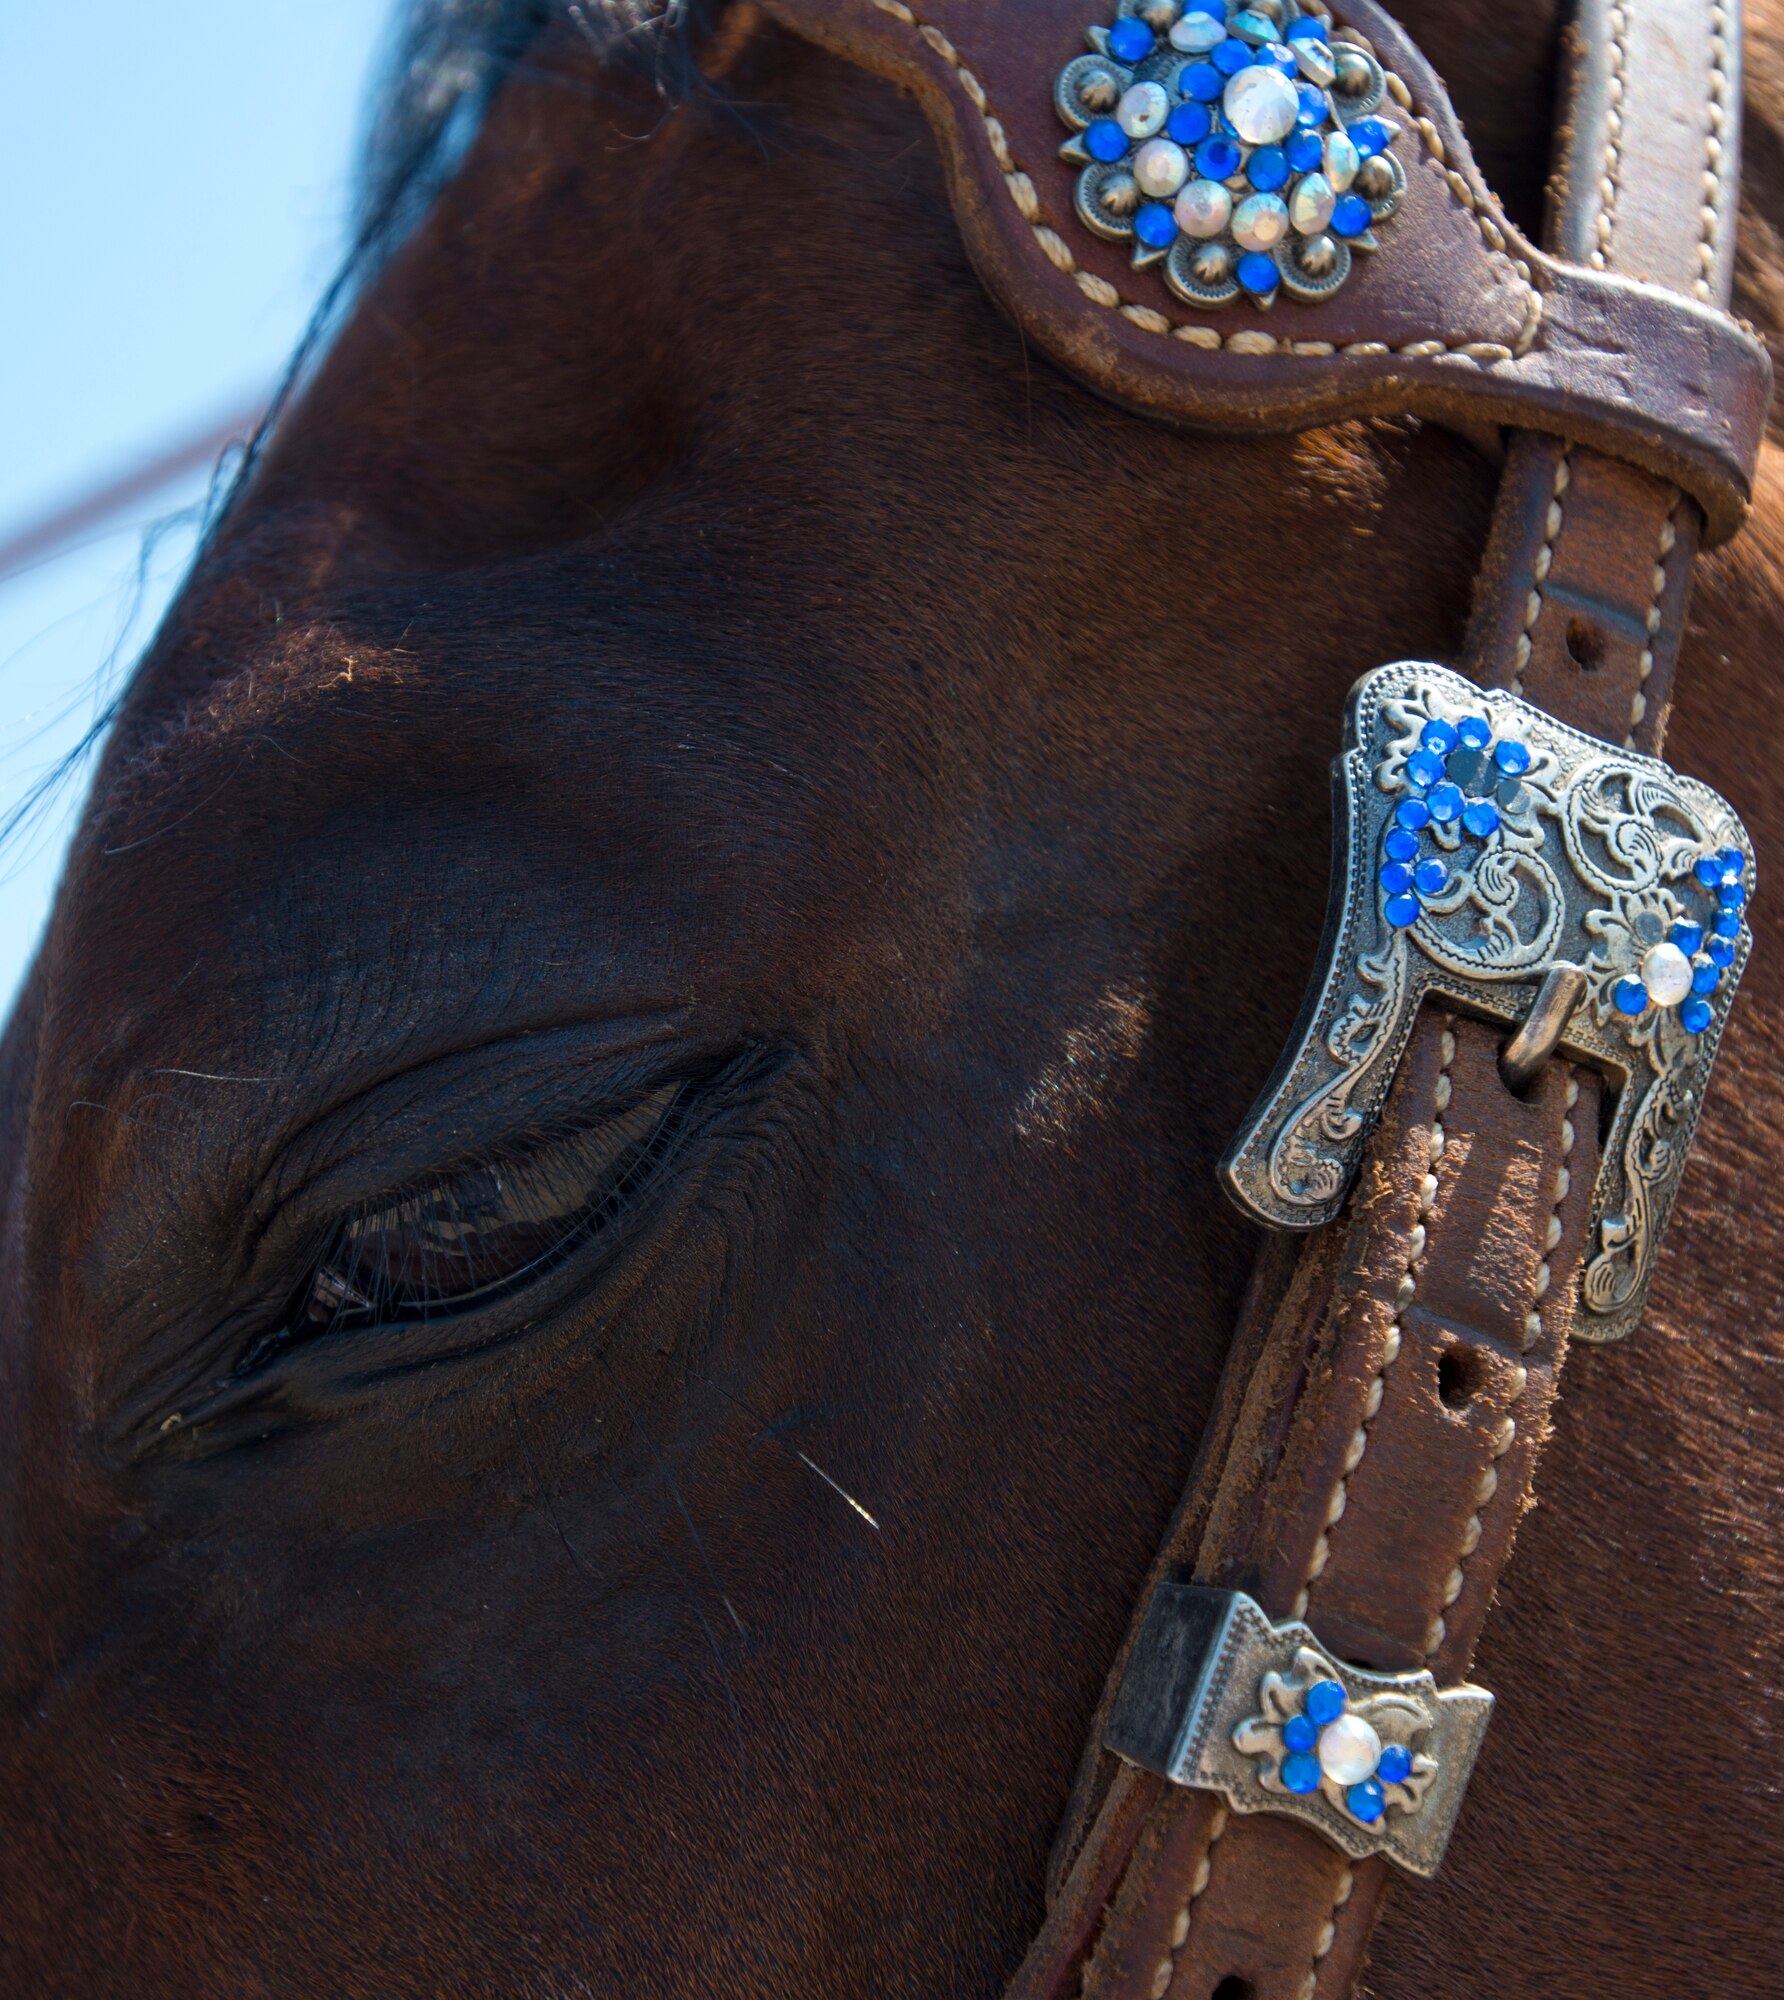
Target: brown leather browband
point(1343, 1480)
point(1464, 323)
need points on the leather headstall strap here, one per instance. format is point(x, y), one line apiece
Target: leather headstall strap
point(1390, 1385)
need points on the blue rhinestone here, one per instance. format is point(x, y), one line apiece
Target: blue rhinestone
point(1728, 923)
point(1706, 975)
point(1401, 845)
point(1721, 951)
point(1258, 273)
point(1105, 141)
point(1300, 1772)
point(1631, 996)
point(1440, 736)
point(1696, 1015)
point(1425, 767)
point(1306, 150)
point(1202, 81)
point(1280, 57)
point(1369, 136)
point(1731, 895)
point(1350, 215)
point(1155, 225)
point(1365, 1801)
point(1481, 818)
point(1267, 169)
point(1324, 1701)
point(1308, 30)
point(1313, 105)
point(1403, 911)
point(1231, 57)
point(1688, 936)
point(1217, 159)
point(1396, 877)
point(1190, 123)
point(1299, 1733)
point(1413, 814)
point(1395, 1766)
point(1445, 803)
point(1733, 861)
point(1511, 757)
point(1432, 878)
point(1131, 41)
point(1709, 870)
point(1474, 732)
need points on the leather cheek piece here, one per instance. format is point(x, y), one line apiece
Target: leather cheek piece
point(1456, 318)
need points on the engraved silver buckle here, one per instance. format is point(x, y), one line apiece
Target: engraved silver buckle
point(1217, 1697)
point(1549, 879)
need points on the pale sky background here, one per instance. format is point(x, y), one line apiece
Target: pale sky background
point(176, 190)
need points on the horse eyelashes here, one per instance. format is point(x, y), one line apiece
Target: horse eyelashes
point(482, 1231)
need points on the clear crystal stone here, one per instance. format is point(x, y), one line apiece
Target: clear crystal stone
point(1161, 167)
point(1342, 160)
point(1262, 106)
point(1143, 109)
point(1203, 208)
point(1314, 61)
point(1260, 222)
point(1349, 1750)
point(1666, 973)
point(1310, 206)
point(1197, 33)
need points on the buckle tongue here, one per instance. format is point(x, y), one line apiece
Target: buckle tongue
point(1486, 853)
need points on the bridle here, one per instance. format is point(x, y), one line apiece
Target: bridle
point(1264, 219)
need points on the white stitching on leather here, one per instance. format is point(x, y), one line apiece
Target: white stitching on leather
point(1710, 219)
point(1248, 340)
point(1669, 535)
point(1390, 1347)
point(1437, 1631)
point(1540, 571)
point(1611, 161)
point(1163, 1972)
point(1329, 1936)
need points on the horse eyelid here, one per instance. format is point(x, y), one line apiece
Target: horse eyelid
point(482, 1231)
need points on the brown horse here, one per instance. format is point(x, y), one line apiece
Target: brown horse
point(691, 732)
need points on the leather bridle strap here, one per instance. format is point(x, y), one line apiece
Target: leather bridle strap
point(1389, 1391)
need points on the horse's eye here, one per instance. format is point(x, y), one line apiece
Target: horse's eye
point(465, 1239)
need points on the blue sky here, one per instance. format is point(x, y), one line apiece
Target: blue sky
point(177, 182)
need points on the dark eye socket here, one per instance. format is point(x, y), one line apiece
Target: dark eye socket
point(487, 1229)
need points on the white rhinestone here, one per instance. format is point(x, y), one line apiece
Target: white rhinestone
point(1666, 973)
point(1260, 222)
point(1143, 109)
point(1197, 33)
point(1314, 60)
point(1161, 167)
point(1349, 1750)
point(1342, 160)
point(1310, 206)
point(1261, 105)
point(1203, 208)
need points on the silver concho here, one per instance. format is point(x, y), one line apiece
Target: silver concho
point(1217, 1697)
point(1179, 106)
point(1562, 851)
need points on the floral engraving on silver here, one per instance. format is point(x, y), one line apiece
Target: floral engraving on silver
point(1242, 149)
point(1478, 844)
point(1218, 1697)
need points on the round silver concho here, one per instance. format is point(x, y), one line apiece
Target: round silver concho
point(1198, 126)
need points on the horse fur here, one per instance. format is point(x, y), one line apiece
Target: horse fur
point(677, 620)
